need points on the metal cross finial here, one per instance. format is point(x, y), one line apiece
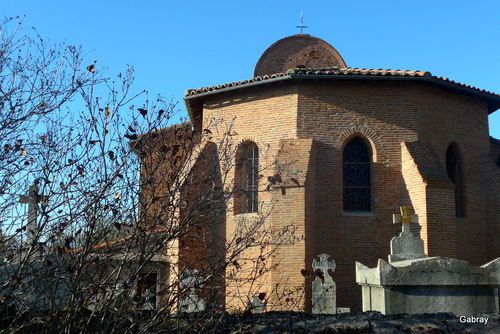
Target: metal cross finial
point(302, 26)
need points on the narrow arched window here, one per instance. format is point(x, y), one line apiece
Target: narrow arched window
point(454, 170)
point(356, 168)
point(247, 178)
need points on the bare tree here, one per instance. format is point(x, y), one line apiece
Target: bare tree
point(114, 220)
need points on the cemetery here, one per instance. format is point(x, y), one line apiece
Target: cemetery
point(296, 217)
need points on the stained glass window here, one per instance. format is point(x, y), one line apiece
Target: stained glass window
point(252, 177)
point(357, 175)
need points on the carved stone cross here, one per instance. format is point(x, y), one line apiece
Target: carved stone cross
point(324, 294)
point(406, 218)
point(32, 199)
point(323, 264)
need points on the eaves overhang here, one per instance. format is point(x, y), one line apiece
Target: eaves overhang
point(194, 101)
point(194, 97)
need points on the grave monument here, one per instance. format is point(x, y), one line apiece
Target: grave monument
point(191, 302)
point(411, 282)
point(324, 291)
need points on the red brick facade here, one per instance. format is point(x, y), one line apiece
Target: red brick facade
point(303, 119)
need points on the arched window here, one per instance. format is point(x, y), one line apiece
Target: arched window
point(454, 171)
point(356, 170)
point(247, 178)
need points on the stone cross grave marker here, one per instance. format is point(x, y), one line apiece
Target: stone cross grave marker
point(406, 246)
point(192, 302)
point(33, 198)
point(324, 294)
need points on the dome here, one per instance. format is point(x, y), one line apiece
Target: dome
point(295, 52)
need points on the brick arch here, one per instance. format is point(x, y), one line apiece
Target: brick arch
point(456, 147)
point(240, 144)
point(239, 147)
point(246, 140)
point(364, 133)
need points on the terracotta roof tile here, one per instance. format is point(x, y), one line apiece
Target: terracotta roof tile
point(466, 86)
point(233, 84)
point(336, 72)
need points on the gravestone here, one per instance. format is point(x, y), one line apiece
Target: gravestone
point(406, 246)
point(413, 283)
point(257, 306)
point(33, 198)
point(324, 293)
point(191, 302)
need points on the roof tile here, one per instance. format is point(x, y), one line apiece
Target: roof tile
point(335, 71)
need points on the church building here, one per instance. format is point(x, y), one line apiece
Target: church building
point(351, 146)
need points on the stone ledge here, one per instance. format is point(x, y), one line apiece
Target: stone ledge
point(445, 271)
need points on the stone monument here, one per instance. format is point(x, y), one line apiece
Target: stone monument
point(324, 293)
point(413, 283)
point(33, 198)
point(191, 302)
point(257, 305)
point(406, 246)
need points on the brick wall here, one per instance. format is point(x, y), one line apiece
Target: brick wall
point(390, 116)
point(332, 113)
point(491, 182)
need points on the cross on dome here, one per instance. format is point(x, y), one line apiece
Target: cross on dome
point(302, 26)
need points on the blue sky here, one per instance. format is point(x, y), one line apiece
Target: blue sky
point(178, 45)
